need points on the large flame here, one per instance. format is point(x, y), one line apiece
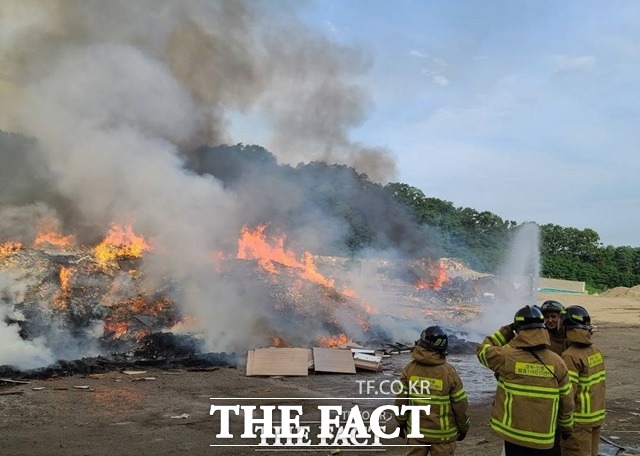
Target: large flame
point(120, 243)
point(438, 273)
point(253, 245)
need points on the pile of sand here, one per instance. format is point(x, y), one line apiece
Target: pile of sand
point(623, 292)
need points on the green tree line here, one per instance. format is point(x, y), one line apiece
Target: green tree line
point(481, 239)
point(396, 216)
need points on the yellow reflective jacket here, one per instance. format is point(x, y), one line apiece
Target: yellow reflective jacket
point(430, 380)
point(586, 370)
point(532, 397)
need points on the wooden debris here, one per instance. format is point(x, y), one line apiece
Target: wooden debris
point(367, 362)
point(133, 372)
point(17, 382)
point(83, 387)
point(11, 393)
point(332, 360)
point(278, 361)
point(364, 351)
point(350, 345)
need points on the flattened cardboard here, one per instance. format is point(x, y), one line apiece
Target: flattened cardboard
point(278, 361)
point(333, 360)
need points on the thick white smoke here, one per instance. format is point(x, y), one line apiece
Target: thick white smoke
point(114, 91)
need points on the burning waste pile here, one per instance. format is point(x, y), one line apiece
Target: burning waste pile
point(68, 302)
point(111, 126)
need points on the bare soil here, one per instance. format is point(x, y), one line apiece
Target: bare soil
point(118, 415)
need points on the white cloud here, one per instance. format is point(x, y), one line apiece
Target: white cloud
point(566, 63)
point(440, 80)
point(418, 54)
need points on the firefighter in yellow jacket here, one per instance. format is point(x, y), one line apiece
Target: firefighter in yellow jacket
point(534, 391)
point(586, 370)
point(430, 380)
point(551, 311)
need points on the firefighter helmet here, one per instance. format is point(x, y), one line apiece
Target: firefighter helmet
point(551, 306)
point(529, 317)
point(576, 317)
point(434, 338)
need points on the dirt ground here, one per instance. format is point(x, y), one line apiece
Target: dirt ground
point(117, 415)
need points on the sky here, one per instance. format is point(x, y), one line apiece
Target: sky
point(525, 109)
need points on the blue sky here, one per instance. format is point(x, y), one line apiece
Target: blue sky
point(527, 109)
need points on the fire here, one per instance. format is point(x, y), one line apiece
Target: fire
point(8, 248)
point(120, 243)
point(60, 302)
point(140, 306)
point(116, 328)
point(55, 239)
point(439, 274)
point(333, 341)
point(253, 245)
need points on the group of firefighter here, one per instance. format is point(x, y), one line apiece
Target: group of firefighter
point(550, 393)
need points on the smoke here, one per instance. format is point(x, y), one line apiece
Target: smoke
point(15, 350)
point(115, 92)
point(227, 56)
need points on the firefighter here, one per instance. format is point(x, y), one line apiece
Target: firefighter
point(533, 396)
point(551, 311)
point(430, 380)
point(586, 370)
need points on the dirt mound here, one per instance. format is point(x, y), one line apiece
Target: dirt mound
point(623, 292)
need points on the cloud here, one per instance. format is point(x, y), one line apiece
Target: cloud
point(566, 63)
point(435, 69)
point(440, 80)
point(418, 54)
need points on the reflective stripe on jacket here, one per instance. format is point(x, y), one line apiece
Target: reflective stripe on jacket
point(430, 380)
point(586, 370)
point(532, 397)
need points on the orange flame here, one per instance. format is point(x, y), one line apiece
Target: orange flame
point(333, 341)
point(118, 328)
point(120, 243)
point(253, 245)
point(8, 248)
point(439, 274)
point(55, 239)
point(139, 306)
point(60, 301)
